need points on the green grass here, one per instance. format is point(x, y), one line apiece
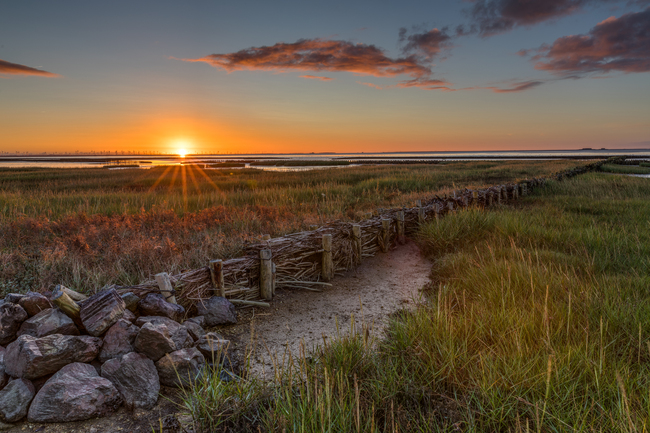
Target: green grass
point(626, 169)
point(538, 321)
point(86, 228)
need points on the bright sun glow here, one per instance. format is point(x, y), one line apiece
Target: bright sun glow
point(182, 153)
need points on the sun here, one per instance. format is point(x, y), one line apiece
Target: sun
point(182, 152)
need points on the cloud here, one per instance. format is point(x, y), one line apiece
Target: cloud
point(315, 77)
point(374, 86)
point(514, 87)
point(428, 44)
point(615, 44)
point(16, 69)
point(491, 17)
point(324, 55)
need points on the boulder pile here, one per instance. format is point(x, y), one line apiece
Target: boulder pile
point(68, 357)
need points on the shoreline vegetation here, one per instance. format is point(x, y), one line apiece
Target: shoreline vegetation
point(537, 318)
point(87, 228)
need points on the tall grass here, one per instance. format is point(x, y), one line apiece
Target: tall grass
point(85, 228)
point(538, 321)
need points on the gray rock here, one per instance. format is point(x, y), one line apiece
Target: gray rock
point(181, 367)
point(101, 311)
point(14, 298)
point(11, 316)
point(217, 311)
point(128, 315)
point(213, 347)
point(48, 322)
point(15, 399)
point(119, 340)
point(194, 329)
point(74, 393)
point(4, 378)
point(199, 320)
point(160, 335)
point(136, 378)
point(130, 301)
point(34, 303)
point(154, 304)
point(32, 357)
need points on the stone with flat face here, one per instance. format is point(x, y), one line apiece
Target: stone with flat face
point(217, 311)
point(32, 357)
point(181, 367)
point(119, 340)
point(48, 322)
point(34, 303)
point(136, 378)
point(154, 304)
point(74, 393)
point(15, 399)
point(101, 311)
point(11, 317)
point(160, 335)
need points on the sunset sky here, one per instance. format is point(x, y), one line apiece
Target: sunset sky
point(336, 76)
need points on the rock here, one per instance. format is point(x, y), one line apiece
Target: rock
point(118, 340)
point(48, 322)
point(34, 303)
point(170, 424)
point(4, 378)
point(213, 347)
point(101, 311)
point(15, 399)
point(181, 367)
point(160, 335)
point(130, 301)
point(136, 378)
point(32, 357)
point(11, 316)
point(154, 304)
point(199, 320)
point(194, 329)
point(217, 311)
point(74, 393)
point(14, 298)
point(128, 315)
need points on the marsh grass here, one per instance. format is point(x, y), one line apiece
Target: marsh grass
point(86, 228)
point(538, 321)
point(642, 168)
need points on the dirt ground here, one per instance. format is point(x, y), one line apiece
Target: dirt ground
point(380, 286)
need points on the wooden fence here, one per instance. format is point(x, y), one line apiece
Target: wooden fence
point(309, 260)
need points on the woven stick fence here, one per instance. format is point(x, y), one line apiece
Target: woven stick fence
point(308, 260)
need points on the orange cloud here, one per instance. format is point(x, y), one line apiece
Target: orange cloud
point(314, 77)
point(325, 55)
point(16, 69)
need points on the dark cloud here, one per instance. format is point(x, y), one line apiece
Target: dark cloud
point(491, 17)
point(615, 44)
point(315, 77)
point(16, 69)
point(428, 44)
point(324, 55)
point(513, 87)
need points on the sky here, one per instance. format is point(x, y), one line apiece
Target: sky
point(337, 76)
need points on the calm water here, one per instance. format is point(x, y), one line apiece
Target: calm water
point(146, 161)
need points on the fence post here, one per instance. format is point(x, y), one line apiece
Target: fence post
point(266, 237)
point(504, 192)
point(436, 211)
point(368, 215)
point(524, 189)
point(327, 270)
point(385, 232)
point(475, 198)
point(400, 227)
point(216, 273)
point(266, 274)
point(358, 245)
point(421, 215)
point(450, 205)
point(273, 269)
point(313, 227)
point(165, 286)
point(499, 196)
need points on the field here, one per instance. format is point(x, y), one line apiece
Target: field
point(86, 228)
point(538, 320)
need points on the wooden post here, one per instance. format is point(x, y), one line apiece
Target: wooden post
point(385, 233)
point(75, 296)
point(475, 198)
point(165, 286)
point(266, 237)
point(436, 211)
point(67, 305)
point(499, 196)
point(524, 189)
point(273, 271)
point(368, 215)
point(504, 192)
point(216, 273)
point(358, 244)
point(400, 227)
point(450, 205)
point(488, 196)
point(418, 203)
point(421, 215)
point(266, 275)
point(515, 192)
point(313, 227)
point(327, 271)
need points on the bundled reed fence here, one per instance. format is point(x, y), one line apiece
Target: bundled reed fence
point(308, 260)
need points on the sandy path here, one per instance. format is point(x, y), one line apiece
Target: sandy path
point(379, 287)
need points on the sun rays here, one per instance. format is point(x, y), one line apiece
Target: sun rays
point(200, 184)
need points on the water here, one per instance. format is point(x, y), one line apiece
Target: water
point(93, 161)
